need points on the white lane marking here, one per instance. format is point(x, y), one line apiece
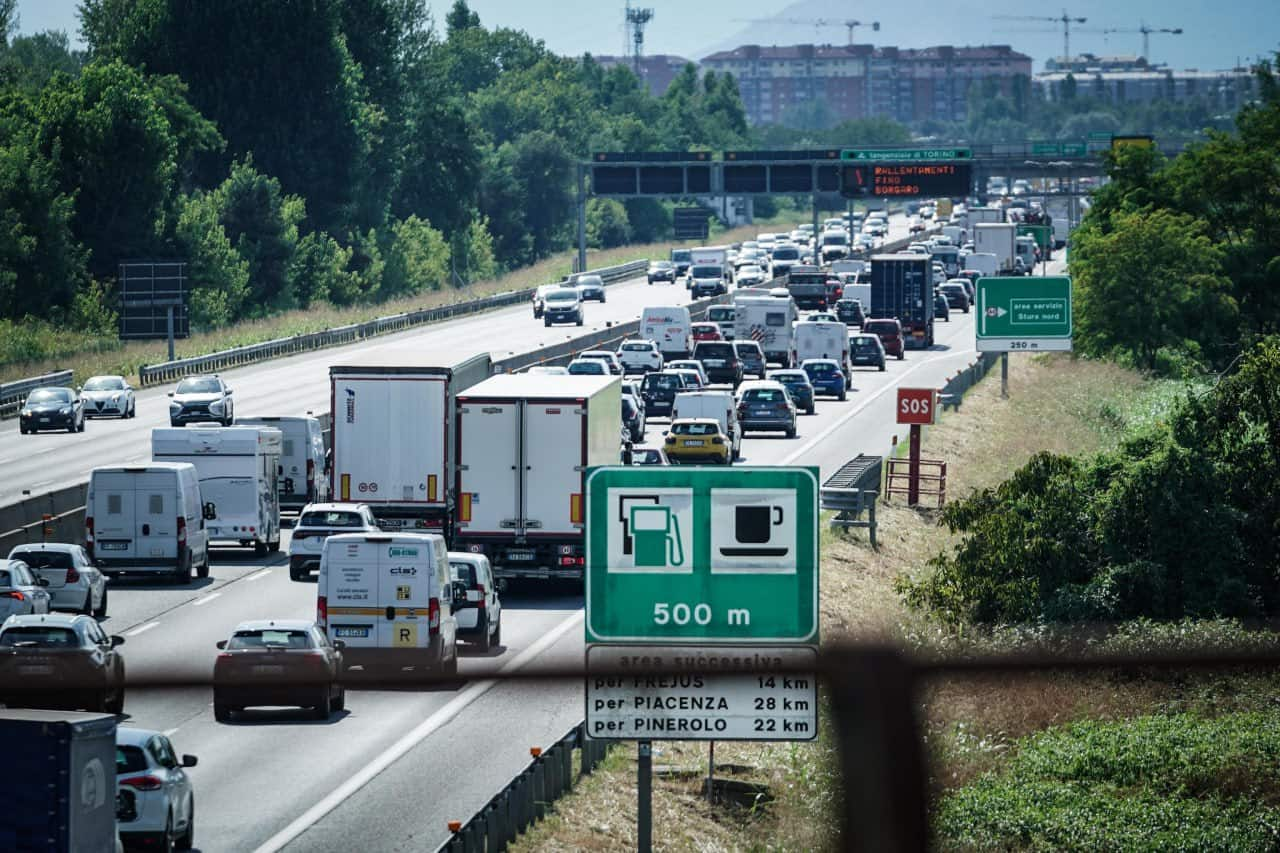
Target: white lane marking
point(398, 749)
point(169, 732)
point(201, 602)
point(141, 629)
point(257, 576)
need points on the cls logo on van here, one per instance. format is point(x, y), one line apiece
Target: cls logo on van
point(402, 552)
point(405, 570)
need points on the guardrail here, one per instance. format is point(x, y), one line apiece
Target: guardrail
point(14, 394)
point(954, 389)
point(525, 799)
point(169, 371)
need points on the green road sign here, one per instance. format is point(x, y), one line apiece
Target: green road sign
point(900, 155)
point(702, 554)
point(1100, 136)
point(1042, 233)
point(1024, 313)
point(1045, 149)
point(1075, 149)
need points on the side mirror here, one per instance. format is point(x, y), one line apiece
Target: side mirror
point(221, 644)
point(116, 640)
point(228, 390)
point(170, 394)
point(210, 511)
point(339, 644)
point(189, 761)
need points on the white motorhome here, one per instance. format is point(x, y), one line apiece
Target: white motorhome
point(670, 327)
point(239, 471)
point(821, 339)
point(304, 476)
point(147, 519)
point(388, 598)
point(716, 404)
point(767, 320)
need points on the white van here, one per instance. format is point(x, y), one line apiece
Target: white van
point(239, 470)
point(303, 478)
point(713, 403)
point(669, 327)
point(388, 598)
point(147, 519)
point(821, 339)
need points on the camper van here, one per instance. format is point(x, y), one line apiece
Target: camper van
point(147, 519)
point(303, 478)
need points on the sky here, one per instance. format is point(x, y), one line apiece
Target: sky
point(1216, 35)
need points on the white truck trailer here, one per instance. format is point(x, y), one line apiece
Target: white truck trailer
point(394, 442)
point(525, 443)
point(999, 240)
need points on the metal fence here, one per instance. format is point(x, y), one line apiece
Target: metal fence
point(853, 490)
point(157, 374)
point(525, 799)
point(954, 390)
point(14, 394)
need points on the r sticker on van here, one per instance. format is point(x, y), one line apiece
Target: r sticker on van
point(402, 593)
point(404, 635)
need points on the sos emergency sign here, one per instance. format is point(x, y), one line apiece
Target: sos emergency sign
point(917, 405)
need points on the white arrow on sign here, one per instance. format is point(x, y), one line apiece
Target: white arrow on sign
point(996, 312)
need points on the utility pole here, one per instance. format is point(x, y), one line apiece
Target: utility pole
point(636, 20)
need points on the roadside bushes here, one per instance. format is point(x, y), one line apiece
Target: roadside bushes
point(1181, 520)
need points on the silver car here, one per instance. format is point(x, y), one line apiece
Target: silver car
point(75, 584)
point(478, 610)
point(108, 395)
point(21, 592)
point(155, 805)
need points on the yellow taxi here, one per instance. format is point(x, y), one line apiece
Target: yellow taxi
point(697, 439)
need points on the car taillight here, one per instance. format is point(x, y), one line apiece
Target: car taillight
point(480, 589)
point(143, 783)
point(15, 595)
point(299, 535)
point(717, 440)
point(73, 575)
point(573, 561)
point(182, 531)
point(433, 616)
point(322, 612)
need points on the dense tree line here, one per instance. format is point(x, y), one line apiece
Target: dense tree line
point(309, 150)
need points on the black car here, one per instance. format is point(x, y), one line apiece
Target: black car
point(941, 310)
point(866, 351)
point(849, 311)
point(720, 361)
point(797, 383)
point(659, 392)
point(662, 271)
point(752, 357)
point(633, 420)
point(957, 296)
point(52, 408)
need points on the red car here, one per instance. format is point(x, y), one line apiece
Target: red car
point(706, 332)
point(890, 334)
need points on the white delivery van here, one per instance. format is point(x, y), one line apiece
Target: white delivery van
point(671, 328)
point(984, 262)
point(388, 597)
point(768, 321)
point(303, 476)
point(239, 471)
point(822, 339)
point(715, 404)
point(147, 519)
point(722, 316)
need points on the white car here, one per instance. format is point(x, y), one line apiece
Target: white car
point(21, 592)
point(751, 275)
point(639, 356)
point(75, 583)
point(548, 370)
point(155, 805)
point(588, 367)
point(108, 395)
point(690, 364)
point(316, 523)
point(478, 610)
point(590, 286)
point(614, 364)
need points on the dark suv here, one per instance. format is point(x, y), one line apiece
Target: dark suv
point(752, 357)
point(849, 311)
point(890, 334)
point(720, 361)
point(659, 391)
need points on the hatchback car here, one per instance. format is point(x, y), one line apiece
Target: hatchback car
point(278, 662)
point(22, 591)
point(690, 364)
point(562, 305)
point(866, 351)
point(751, 356)
point(639, 356)
point(890, 334)
point(316, 523)
point(826, 376)
point(51, 408)
point(957, 295)
point(765, 406)
point(697, 440)
point(849, 311)
point(548, 370)
point(797, 383)
point(659, 390)
point(609, 358)
point(719, 360)
point(60, 660)
point(590, 287)
point(706, 332)
point(941, 310)
point(588, 367)
point(475, 600)
point(632, 420)
point(75, 583)
point(649, 456)
point(198, 399)
point(155, 803)
point(108, 395)
point(662, 271)
point(751, 275)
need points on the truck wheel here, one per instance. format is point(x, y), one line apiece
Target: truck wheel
point(182, 573)
point(451, 668)
point(260, 548)
point(340, 704)
point(497, 634)
point(202, 570)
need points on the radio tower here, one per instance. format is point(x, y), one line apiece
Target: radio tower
point(636, 20)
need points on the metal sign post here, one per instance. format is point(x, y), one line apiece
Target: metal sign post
point(644, 796)
point(916, 407)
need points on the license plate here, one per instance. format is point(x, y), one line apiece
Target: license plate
point(267, 669)
point(714, 362)
point(113, 546)
point(521, 555)
point(44, 420)
point(762, 411)
point(35, 669)
point(693, 444)
point(351, 631)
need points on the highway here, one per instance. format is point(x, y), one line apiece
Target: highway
point(388, 773)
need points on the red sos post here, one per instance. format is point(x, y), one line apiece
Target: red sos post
point(916, 407)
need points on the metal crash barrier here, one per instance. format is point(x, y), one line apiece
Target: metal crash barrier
point(853, 490)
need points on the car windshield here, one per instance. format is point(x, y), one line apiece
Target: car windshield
point(820, 369)
point(104, 383)
point(562, 296)
point(130, 759)
point(591, 281)
point(330, 518)
point(765, 395)
point(271, 638)
point(41, 636)
point(198, 386)
point(681, 255)
point(750, 269)
point(637, 347)
point(714, 351)
point(664, 381)
point(720, 314)
point(587, 367)
point(862, 344)
point(747, 350)
point(49, 395)
point(679, 428)
point(785, 254)
point(661, 265)
point(881, 328)
point(45, 559)
point(835, 239)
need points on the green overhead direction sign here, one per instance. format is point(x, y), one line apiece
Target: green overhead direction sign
point(1023, 314)
point(904, 155)
point(711, 576)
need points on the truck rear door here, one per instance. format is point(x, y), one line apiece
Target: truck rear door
point(389, 439)
point(350, 587)
point(404, 591)
point(155, 512)
point(115, 525)
point(554, 448)
point(489, 478)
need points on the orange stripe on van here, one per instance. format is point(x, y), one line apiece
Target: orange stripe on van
point(464, 506)
point(431, 487)
point(346, 487)
point(356, 611)
point(575, 508)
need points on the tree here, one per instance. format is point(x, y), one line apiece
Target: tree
point(218, 276)
point(262, 225)
point(318, 272)
point(417, 259)
point(607, 224)
point(461, 18)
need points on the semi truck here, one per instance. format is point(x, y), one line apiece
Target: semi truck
point(902, 289)
point(525, 443)
point(999, 239)
point(808, 287)
point(394, 441)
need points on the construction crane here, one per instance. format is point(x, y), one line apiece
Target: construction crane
point(1065, 19)
point(816, 23)
point(1146, 34)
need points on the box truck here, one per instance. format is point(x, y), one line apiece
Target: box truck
point(393, 439)
point(998, 239)
point(59, 781)
point(525, 443)
point(303, 477)
point(768, 321)
point(239, 471)
point(976, 216)
point(902, 289)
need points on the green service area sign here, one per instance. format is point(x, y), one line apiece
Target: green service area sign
point(1023, 314)
point(702, 555)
